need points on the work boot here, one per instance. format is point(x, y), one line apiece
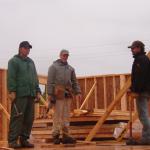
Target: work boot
point(132, 141)
point(68, 139)
point(25, 143)
point(143, 142)
point(56, 139)
point(14, 145)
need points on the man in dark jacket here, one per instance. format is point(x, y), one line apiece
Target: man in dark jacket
point(23, 87)
point(140, 84)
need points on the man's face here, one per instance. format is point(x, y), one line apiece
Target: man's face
point(24, 52)
point(64, 57)
point(135, 50)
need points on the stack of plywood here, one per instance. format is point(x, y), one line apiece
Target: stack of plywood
point(80, 126)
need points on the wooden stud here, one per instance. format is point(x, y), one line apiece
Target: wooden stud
point(114, 86)
point(95, 92)
point(86, 90)
point(105, 98)
point(5, 111)
point(123, 99)
point(4, 103)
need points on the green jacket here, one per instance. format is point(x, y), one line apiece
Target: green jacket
point(22, 77)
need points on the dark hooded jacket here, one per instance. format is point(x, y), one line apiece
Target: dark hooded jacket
point(140, 76)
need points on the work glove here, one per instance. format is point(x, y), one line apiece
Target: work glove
point(12, 96)
point(51, 101)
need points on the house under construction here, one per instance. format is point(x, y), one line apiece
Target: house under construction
point(101, 120)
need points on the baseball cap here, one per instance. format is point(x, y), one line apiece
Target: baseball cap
point(64, 51)
point(137, 44)
point(25, 44)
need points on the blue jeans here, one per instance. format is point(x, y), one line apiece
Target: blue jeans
point(142, 108)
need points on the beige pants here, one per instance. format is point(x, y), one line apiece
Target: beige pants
point(61, 117)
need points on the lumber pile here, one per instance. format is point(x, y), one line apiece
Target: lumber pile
point(80, 126)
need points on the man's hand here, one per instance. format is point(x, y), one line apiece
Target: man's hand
point(132, 94)
point(12, 96)
point(38, 96)
point(129, 92)
point(51, 101)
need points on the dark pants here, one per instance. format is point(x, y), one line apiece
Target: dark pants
point(21, 125)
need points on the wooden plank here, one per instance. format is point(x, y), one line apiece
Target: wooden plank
point(42, 79)
point(72, 132)
point(91, 103)
point(79, 136)
point(37, 111)
point(60, 146)
point(44, 127)
point(4, 103)
point(104, 75)
point(5, 111)
point(95, 94)
point(86, 90)
point(95, 117)
point(117, 82)
point(0, 102)
point(105, 96)
point(114, 87)
point(109, 90)
point(123, 99)
point(6, 148)
point(100, 93)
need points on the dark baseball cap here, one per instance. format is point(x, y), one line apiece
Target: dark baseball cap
point(25, 44)
point(137, 44)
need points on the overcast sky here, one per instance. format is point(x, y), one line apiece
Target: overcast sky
point(96, 32)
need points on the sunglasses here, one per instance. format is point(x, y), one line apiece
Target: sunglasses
point(65, 55)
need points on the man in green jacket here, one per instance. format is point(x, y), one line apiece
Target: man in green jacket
point(23, 88)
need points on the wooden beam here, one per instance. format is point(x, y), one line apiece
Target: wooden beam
point(37, 110)
point(4, 104)
point(123, 98)
point(105, 97)
point(5, 111)
point(85, 84)
point(6, 148)
point(108, 111)
point(42, 79)
point(95, 94)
